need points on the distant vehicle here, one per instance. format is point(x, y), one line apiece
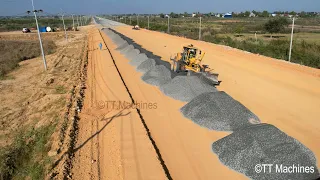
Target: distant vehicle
point(136, 27)
point(26, 30)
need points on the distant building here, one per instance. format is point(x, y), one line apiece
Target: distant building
point(274, 15)
point(194, 14)
point(252, 14)
point(227, 15)
point(218, 15)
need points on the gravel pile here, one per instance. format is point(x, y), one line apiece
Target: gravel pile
point(122, 46)
point(185, 88)
point(218, 111)
point(157, 76)
point(265, 144)
point(131, 54)
point(137, 60)
point(127, 49)
point(147, 65)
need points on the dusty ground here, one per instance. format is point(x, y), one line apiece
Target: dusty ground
point(283, 94)
point(112, 141)
point(34, 98)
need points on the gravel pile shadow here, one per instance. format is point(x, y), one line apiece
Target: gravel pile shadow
point(265, 144)
point(185, 88)
point(137, 60)
point(157, 76)
point(218, 111)
point(147, 65)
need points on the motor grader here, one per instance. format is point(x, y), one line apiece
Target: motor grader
point(190, 60)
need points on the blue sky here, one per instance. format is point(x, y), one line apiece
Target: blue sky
point(14, 7)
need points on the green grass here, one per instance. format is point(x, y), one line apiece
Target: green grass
point(19, 23)
point(27, 156)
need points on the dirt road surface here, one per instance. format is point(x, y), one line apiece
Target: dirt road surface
point(280, 93)
point(112, 141)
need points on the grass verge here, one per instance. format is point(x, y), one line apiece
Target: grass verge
point(27, 156)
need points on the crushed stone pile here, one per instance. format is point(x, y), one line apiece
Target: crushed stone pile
point(265, 144)
point(131, 54)
point(185, 88)
point(137, 60)
point(218, 111)
point(146, 66)
point(157, 76)
point(127, 49)
point(125, 44)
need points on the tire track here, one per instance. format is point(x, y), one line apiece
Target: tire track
point(165, 168)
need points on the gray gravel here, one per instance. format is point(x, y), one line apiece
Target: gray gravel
point(137, 60)
point(157, 76)
point(185, 88)
point(131, 54)
point(264, 144)
point(147, 65)
point(218, 111)
point(122, 46)
point(127, 49)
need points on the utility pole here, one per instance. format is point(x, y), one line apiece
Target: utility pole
point(64, 26)
point(291, 40)
point(138, 20)
point(125, 19)
point(40, 41)
point(73, 23)
point(168, 25)
point(148, 23)
point(81, 20)
point(78, 20)
point(200, 29)
point(130, 20)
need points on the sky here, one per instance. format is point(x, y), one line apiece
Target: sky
point(93, 7)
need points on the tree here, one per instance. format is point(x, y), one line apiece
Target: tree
point(265, 14)
point(239, 30)
point(247, 14)
point(276, 25)
point(162, 15)
point(293, 13)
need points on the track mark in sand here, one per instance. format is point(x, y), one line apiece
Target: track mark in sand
point(165, 168)
point(129, 150)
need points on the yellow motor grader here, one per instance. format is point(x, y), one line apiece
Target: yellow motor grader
point(190, 60)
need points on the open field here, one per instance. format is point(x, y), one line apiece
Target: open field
point(14, 51)
point(240, 33)
point(34, 103)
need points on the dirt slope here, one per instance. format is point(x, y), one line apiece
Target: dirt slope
point(283, 94)
point(112, 142)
